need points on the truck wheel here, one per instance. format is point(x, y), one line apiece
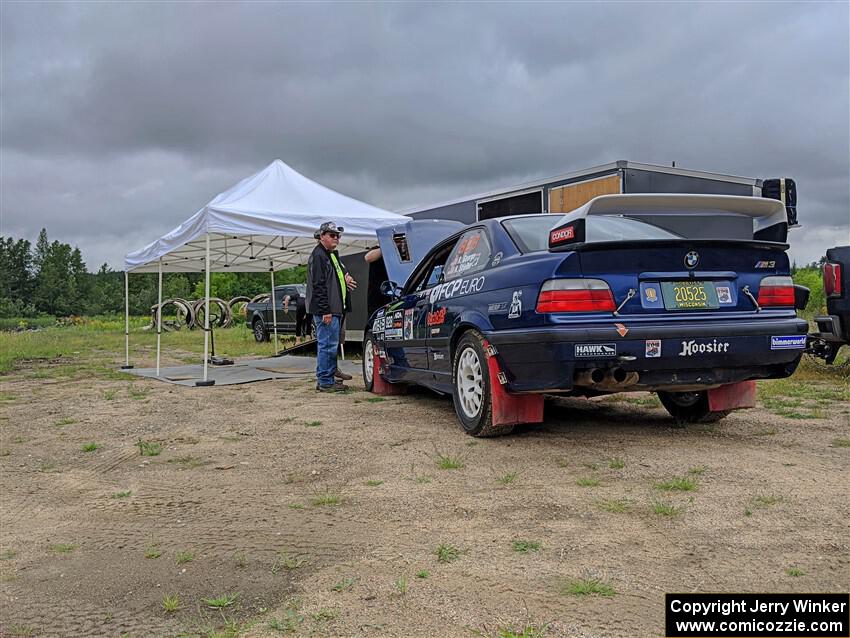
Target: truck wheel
point(471, 388)
point(260, 332)
point(689, 407)
point(368, 362)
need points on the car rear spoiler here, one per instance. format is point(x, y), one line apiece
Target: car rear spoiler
point(770, 221)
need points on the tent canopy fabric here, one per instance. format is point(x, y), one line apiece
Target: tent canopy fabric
point(265, 222)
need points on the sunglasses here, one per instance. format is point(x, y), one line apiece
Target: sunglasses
point(333, 235)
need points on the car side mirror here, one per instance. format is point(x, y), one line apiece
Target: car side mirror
point(391, 289)
point(801, 296)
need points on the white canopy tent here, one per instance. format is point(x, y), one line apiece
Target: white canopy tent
point(262, 224)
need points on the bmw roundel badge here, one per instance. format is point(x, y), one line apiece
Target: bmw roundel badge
point(692, 259)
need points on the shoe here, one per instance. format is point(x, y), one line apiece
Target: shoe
point(336, 387)
point(339, 374)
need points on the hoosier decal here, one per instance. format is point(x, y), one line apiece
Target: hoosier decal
point(690, 348)
point(595, 350)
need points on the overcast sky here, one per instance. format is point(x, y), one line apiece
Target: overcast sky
point(120, 120)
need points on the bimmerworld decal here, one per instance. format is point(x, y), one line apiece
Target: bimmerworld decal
point(788, 342)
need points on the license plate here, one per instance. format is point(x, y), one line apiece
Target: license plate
point(689, 295)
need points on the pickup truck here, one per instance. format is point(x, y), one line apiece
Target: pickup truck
point(833, 329)
point(259, 314)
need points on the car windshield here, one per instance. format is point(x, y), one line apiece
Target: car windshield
point(302, 289)
point(531, 234)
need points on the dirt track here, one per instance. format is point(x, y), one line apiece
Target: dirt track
point(243, 471)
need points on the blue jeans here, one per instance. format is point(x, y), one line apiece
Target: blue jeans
point(327, 337)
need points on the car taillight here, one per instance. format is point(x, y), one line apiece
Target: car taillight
point(776, 291)
point(575, 295)
point(832, 279)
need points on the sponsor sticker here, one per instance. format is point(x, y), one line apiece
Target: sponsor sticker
point(393, 325)
point(621, 329)
point(562, 234)
point(595, 350)
point(651, 294)
point(456, 288)
point(408, 323)
point(724, 294)
point(439, 356)
point(653, 348)
point(436, 318)
point(497, 258)
point(516, 305)
point(497, 308)
point(692, 347)
point(788, 342)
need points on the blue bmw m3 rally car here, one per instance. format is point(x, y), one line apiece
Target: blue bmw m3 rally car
point(689, 296)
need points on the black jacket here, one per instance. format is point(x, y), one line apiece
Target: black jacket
point(324, 295)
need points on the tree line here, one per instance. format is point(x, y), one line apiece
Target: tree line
point(52, 279)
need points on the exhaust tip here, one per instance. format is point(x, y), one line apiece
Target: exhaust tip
point(618, 375)
point(597, 375)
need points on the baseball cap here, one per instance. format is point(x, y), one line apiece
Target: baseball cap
point(329, 227)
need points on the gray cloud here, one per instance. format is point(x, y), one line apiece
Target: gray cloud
point(120, 120)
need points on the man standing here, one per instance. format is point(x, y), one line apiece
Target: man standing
point(328, 299)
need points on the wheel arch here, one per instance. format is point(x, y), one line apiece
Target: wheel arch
point(469, 320)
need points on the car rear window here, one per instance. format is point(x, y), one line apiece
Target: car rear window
point(531, 234)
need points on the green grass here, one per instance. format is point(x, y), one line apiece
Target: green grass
point(766, 500)
point(447, 553)
point(64, 548)
point(526, 631)
point(666, 509)
point(188, 462)
point(794, 572)
point(346, 584)
point(587, 482)
point(374, 483)
point(91, 447)
point(449, 462)
point(327, 496)
point(221, 601)
point(422, 574)
point(373, 399)
point(138, 394)
point(678, 484)
point(616, 463)
point(152, 551)
point(324, 614)
point(122, 494)
point(400, 585)
point(8, 554)
point(615, 506)
point(313, 424)
point(287, 562)
point(698, 470)
point(840, 442)
point(22, 630)
point(295, 506)
point(508, 479)
point(170, 603)
point(587, 587)
point(149, 448)
point(523, 547)
point(186, 556)
point(66, 421)
point(289, 623)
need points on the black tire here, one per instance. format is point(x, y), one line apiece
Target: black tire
point(469, 353)
point(368, 379)
point(260, 332)
point(689, 407)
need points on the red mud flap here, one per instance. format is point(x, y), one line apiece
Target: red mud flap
point(379, 385)
point(732, 397)
point(510, 409)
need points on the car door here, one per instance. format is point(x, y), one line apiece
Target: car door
point(462, 277)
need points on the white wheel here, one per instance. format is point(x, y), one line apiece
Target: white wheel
point(470, 382)
point(368, 362)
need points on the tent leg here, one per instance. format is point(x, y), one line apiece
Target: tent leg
point(274, 309)
point(126, 365)
point(159, 317)
point(206, 315)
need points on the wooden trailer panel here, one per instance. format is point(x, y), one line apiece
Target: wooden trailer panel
point(566, 198)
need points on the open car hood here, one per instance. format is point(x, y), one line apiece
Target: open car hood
point(404, 245)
